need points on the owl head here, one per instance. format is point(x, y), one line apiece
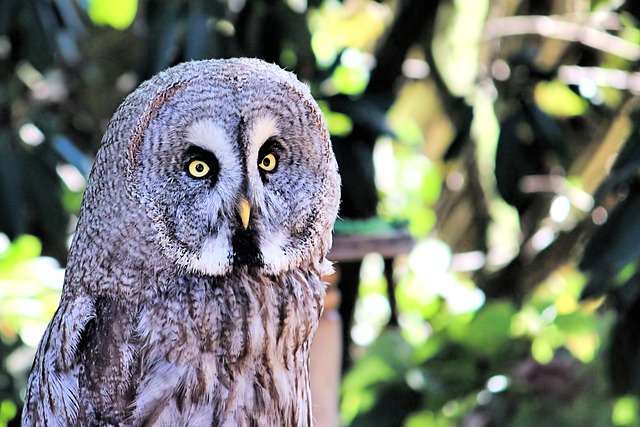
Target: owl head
point(221, 165)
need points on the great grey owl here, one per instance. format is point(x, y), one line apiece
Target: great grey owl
point(193, 286)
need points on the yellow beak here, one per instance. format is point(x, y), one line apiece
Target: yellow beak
point(244, 210)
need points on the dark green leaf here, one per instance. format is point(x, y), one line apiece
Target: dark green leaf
point(613, 245)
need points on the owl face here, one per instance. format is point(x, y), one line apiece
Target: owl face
point(234, 169)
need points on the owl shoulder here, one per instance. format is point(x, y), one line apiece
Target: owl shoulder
point(52, 392)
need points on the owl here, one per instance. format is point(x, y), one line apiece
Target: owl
point(193, 287)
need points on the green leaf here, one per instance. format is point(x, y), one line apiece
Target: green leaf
point(431, 185)
point(407, 130)
point(576, 323)
point(23, 248)
point(557, 99)
point(427, 418)
point(8, 411)
point(489, 329)
point(625, 411)
point(359, 384)
point(118, 14)
point(350, 80)
point(367, 372)
point(339, 124)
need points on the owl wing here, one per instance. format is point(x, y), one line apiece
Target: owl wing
point(52, 397)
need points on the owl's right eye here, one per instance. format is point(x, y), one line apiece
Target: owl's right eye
point(198, 168)
point(201, 164)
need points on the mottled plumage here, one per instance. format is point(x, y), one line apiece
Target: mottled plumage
point(193, 287)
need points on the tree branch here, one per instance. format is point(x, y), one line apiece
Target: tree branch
point(557, 28)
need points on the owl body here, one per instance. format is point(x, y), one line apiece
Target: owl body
point(193, 287)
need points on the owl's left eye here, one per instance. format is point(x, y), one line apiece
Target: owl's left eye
point(201, 164)
point(268, 162)
point(198, 168)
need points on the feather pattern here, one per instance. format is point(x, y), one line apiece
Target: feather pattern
point(173, 311)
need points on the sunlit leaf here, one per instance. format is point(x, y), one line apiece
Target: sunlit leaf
point(8, 410)
point(631, 33)
point(625, 412)
point(490, 328)
point(393, 401)
point(357, 25)
point(339, 124)
point(541, 350)
point(118, 14)
point(323, 48)
point(420, 419)
point(557, 99)
point(356, 386)
point(350, 80)
point(23, 248)
point(584, 346)
point(368, 371)
point(407, 130)
point(457, 45)
point(431, 185)
point(421, 220)
point(576, 323)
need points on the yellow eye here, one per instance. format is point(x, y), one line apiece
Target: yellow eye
point(198, 169)
point(268, 163)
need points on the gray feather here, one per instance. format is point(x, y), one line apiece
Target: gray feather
point(172, 313)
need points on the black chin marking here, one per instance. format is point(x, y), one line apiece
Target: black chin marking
point(245, 249)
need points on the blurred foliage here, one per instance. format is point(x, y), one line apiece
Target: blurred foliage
point(505, 133)
point(30, 286)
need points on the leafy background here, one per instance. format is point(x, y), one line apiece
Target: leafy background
point(503, 134)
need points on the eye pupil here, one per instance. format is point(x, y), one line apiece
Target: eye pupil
point(266, 162)
point(199, 167)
